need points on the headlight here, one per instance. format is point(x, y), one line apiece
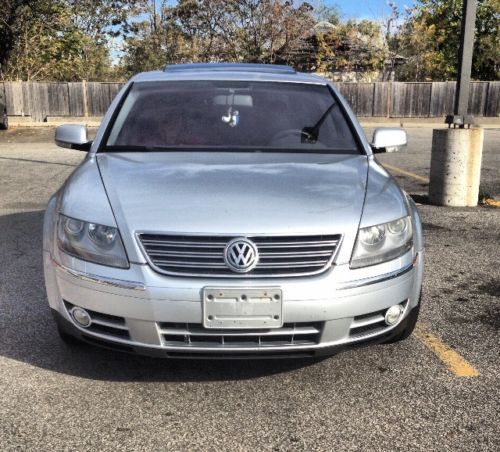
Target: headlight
point(381, 243)
point(91, 242)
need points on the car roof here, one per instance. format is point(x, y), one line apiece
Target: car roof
point(229, 71)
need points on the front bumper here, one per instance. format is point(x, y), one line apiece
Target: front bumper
point(137, 310)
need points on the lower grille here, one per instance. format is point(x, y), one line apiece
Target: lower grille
point(194, 335)
point(104, 324)
point(278, 256)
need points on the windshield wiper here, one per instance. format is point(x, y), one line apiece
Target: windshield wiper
point(310, 134)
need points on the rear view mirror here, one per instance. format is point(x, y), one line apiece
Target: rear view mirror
point(388, 140)
point(72, 136)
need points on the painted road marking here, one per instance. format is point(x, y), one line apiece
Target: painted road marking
point(406, 173)
point(458, 365)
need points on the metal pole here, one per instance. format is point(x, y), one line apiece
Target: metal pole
point(464, 64)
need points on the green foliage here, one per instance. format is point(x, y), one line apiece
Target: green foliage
point(218, 30)
point(73, 39)
point(60, 39)
point(353, 46)
point(430, 37)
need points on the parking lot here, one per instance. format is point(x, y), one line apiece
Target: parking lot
point(439, 390)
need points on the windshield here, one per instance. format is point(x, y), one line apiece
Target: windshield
point(220, 115)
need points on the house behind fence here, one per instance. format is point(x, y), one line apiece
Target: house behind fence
point(40, 100)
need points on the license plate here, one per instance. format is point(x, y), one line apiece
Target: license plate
point(242, 308)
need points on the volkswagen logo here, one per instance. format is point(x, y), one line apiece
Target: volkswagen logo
point(241, 255)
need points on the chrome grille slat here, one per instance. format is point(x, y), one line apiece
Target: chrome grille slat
point(184, 254)
point(296, 253)
point(296, 245)
point(279, 256)
point(295, 264)
point(195, 335)
point(297, 331)
point(190, 265)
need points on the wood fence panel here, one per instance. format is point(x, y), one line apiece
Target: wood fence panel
point(75, 99)
point(411, 100)
point(26, 98)
point(477, 98)
point(365, 98)
point(100, 96)
point(58, 99)
point(359, 96)
point(382, 98)
point(14, 98)
point(347, 93)
point(442, 96)
point(394, 99)
point(38, 100)
point(398, 92)
point(492, 107)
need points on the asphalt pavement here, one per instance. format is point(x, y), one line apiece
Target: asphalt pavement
point(403, 396)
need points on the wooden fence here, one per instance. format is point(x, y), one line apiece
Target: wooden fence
point(40, 100)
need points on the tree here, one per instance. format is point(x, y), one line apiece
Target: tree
point(60, 39)
point(429, 38)
point(218, 30)
point(355, 47)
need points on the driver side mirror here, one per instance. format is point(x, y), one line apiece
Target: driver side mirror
point(72, 136)
point(388, 140)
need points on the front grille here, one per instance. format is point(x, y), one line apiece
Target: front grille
point(190, 255)
point(194, 335)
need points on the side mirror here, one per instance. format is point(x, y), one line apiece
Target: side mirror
point(388, 140)
point(73, 136)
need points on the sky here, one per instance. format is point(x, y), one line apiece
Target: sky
point(367, 9)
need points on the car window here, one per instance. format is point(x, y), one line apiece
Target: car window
point(231, 115)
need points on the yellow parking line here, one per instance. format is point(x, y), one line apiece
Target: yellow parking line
point(406, 173)
point(458, 365)
point(492, 202)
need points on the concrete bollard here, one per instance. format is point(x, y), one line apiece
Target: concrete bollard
point(456, 167)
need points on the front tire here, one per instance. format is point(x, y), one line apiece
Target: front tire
point(68, 339)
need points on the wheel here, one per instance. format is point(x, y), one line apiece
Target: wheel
point(407, 327)
point(4, 125)
point(68, 338)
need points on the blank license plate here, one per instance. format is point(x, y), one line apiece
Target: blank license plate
point(242, 308)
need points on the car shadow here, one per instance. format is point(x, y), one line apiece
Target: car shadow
point(28, 333)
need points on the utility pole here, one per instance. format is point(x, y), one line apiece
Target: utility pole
point(460, 117)
point(457, 152)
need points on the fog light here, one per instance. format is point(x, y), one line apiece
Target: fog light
point(81, 316)
point(393, 314)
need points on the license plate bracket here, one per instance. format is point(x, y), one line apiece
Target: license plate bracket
point(242, 308)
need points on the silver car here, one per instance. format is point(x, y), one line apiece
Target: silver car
point(231, 211)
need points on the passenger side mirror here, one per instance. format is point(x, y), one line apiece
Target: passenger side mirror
point(388, 140)
point(73, 136)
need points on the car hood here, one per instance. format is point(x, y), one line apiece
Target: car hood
point(235, 193)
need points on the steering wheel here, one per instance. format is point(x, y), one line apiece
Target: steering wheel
point(289, 132)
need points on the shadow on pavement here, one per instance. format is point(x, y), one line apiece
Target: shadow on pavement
point(28, 333)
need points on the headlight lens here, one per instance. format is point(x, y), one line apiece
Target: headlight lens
point(91, 242)
point(382, 242)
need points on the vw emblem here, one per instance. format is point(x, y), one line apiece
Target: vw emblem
point(241, 255)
